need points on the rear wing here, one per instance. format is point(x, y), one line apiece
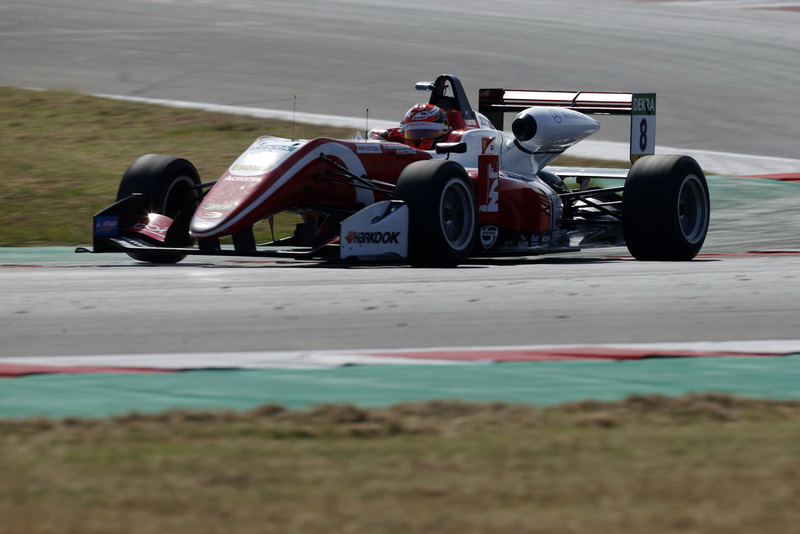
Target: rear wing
point(495, 103)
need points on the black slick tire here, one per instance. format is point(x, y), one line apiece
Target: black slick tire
point(665, 208)
point(169, 185)
point(442, 212)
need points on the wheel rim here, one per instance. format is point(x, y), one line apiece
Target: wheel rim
point(457, 214)
point(692, 209)
point(179, 195)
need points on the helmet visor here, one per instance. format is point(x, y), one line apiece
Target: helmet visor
point(423, 130)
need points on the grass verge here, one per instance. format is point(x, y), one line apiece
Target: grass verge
point(700, 463)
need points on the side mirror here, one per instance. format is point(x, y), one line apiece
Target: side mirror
point(451, 148)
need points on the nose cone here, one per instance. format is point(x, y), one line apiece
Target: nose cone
point(202, 226)
point(231, 204)
point(223, 205)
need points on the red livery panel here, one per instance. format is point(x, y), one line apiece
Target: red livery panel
point(276, 175)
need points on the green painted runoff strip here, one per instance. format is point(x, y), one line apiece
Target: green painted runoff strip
point(540, 383)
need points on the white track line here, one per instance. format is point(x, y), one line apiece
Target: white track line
point(322, 359)
point(712, 162)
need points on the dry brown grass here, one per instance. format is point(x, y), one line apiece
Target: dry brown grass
point(700, 463)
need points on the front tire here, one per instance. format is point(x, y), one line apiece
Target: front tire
point(442, 212)
point(665, 208)
point(169, 185)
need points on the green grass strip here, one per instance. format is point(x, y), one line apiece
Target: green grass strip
point(545, 383)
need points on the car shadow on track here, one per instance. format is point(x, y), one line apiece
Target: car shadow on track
point(580, 258)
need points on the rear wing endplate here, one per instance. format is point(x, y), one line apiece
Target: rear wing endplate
point(495, 103)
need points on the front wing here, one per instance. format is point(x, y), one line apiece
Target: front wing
point(377, 232)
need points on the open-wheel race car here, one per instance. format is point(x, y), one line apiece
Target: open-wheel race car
point(447, 184)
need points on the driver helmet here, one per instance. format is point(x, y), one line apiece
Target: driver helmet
point(424, 125)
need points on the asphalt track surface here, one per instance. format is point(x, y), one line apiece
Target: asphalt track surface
point(725, 72)
point(725, 80)
point(112, 305)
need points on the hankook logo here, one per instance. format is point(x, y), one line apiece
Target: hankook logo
point(379, 238)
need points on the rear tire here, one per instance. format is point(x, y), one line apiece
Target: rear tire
point(665, 208)
point(169, 185)
point(442, 212)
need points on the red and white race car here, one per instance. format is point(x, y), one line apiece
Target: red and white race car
point(448, 184)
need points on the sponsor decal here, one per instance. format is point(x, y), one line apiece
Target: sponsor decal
point(417, 125)
point(644, 104)
point(528, 240)
point(487, 144)
point(489, 236)
point(235, 178)
point(149, 228)
point(368, 148)
point(211, 215)
point(424, 113)
point(106, 226)
point(241, 167)
point(261, 156)
point(214, 206)
point(472, 123)
point(379, 230)
point(268, 144)
point(155, 227)
point(401, 150)
point(572, 114)
point(380, 238)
